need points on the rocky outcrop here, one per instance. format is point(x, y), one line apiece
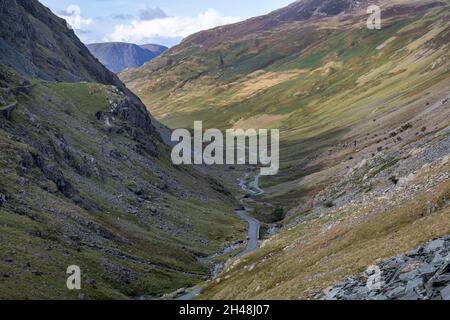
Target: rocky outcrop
point(421, 274)
point(27, 48)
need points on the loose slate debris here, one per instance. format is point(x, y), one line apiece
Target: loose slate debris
point(421, 274)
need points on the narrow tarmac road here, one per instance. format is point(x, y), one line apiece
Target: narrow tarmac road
point(253, 230)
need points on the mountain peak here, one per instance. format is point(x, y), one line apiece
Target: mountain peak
point(297, 11)
point(306, 9)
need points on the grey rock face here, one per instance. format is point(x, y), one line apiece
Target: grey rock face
point(421, 274)
point(445, 293)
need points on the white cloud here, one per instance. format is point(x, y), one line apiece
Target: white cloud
point(169, 27)
point(73, 17)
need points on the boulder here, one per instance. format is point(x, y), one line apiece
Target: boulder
point(445, 293)
point(427, 270)
point(409, 275)
point(420, 274)
point(395, 292)
point(434, 245)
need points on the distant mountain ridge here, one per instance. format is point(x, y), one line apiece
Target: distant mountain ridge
point(155, 48)
point(119, 56)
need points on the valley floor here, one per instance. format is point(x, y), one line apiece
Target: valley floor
point(253, 232)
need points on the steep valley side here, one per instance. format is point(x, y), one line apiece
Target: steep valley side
point(86, 180)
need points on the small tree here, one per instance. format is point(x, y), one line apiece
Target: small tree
point(394, 179)
point(279, 214)
point(329, 204)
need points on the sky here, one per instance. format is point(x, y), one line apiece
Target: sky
point(164, 22)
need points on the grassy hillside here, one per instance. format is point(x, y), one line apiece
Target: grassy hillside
point(323, 82)
point(80, 186)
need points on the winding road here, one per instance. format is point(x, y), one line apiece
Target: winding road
point(253, 228)
point(256, 187)
point(253, 232)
